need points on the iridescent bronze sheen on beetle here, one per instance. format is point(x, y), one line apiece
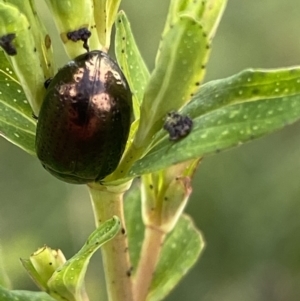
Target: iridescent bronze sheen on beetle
point(85, 118)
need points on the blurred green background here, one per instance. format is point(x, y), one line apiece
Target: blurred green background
point(246, 200)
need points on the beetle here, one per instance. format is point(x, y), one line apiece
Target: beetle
point(84, 121)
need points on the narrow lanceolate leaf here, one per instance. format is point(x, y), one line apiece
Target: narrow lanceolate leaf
point(229, 112)
point(111, 10)
point(134, 223)
point(73, 16)
point(105, 12)
point(210, 16)
point(42, 264)
point(16, 122)
point(25, 61)
point(40, 35)
point(207, 13)
point(16, 295)
point(176, 77)
point(181, 250)
point(175, 7)
point(100, 19)
point(67, 282)
point(130, 61)
point(34, 275)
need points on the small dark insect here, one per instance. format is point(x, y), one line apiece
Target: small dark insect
point(82, 34)
point(7, 45)
point(177, 125)
point(84, 121)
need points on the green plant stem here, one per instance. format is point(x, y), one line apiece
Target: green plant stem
point(152, 244)
point(107, 202)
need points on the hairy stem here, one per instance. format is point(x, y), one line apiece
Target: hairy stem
point(117, 267)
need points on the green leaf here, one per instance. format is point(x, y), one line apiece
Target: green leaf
point(111, 10)
point(210, 16)
point(105, 12)
point(42, 264)
point(40, 34)
point(180, 252)
point(229, 112)
point(176, 6)
point(130, 61)
point(35, 276)
point(67, 282)
point(7, 295)
point(134, 223)
point(208, 13)
point(26, 62)
point(16, 122)
point(177, 75)
point(69, 17)
point(100, 20)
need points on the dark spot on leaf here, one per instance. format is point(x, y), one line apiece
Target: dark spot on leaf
point(123, 231)
point(255, 91)
point(151, 186)
point(47, 41)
